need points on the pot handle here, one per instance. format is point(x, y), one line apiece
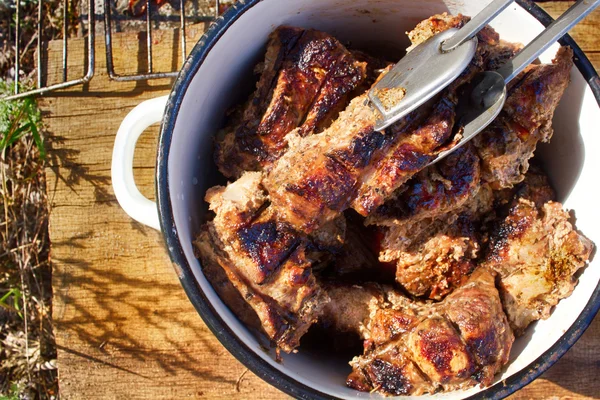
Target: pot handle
point(129, 197)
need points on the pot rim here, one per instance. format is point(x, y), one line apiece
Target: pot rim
point(208, 313)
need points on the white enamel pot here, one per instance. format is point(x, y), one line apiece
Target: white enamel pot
point(218, 74)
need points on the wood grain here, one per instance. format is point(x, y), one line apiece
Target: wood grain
point(124, 327)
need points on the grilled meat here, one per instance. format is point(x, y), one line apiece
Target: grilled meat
point(429, 229)
point(351, 165)
point(412, 149)
point(433, 254)
point(263, 259)
point(436, 191)
point(506, 146)
point(416, 348)
point(306, 78)
point(274, 230)
point(436, 261)
point(536, 253)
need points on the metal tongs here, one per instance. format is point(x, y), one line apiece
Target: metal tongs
point(434, 64)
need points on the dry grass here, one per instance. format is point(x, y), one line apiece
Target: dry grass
point(27, 349)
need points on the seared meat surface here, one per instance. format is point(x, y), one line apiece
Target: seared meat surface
point(430, 228)
point(350, 165)
point(536, 252)
point(264, 260)
point(433, 250)
point(305, 81)
point(416, 348)
point(436, 191)
point(506, 146)
point(436, 260)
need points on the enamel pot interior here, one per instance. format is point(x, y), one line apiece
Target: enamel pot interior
point(218, 75)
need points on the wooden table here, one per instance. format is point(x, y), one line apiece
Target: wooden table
point(124, 327)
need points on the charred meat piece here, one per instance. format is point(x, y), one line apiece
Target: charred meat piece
point(351, 165)
point(405, 157)
point(410, 153)
point(506, 146)
point(436, 261)
point(438, 190)
point(536, 253)
point(318, 177)
point(263, 259)
point(455, 344)
point(433, 256)
point(475, 310)
point(430, 234)
point(315, 179)
point(306, 78)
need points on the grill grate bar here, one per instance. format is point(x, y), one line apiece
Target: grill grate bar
point(17, 45)
point(150, 74)
point(149, 33)
point(182, 17)
point(65, 36)
point(39, 44)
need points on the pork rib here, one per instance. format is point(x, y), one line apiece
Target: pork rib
point(352, 165)
point(306, 78)
point(506, 146)
point(263, 259)
point(415, 348)
point(536, 253)
point(430, 223)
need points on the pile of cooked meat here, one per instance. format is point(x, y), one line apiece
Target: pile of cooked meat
point(328, 223)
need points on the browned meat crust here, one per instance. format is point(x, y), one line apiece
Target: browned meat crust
point(536, 252)
point(412, 348)
point(436, 261)
point(306, 78)
point(433, 254)
point(351, 165)
point(263, 259)
point(409, 154)
point(438, 190)
point(430, 228)
point(506, 146)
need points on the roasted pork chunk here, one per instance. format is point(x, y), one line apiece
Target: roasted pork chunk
point(305, 81)
point(536, 253)
point(506, 146)
point(429, 231)
point(263, 259)
point(433, 252)
point(349, 165)
point(415, 348)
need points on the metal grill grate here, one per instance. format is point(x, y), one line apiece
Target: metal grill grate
point(90, 32)
point(150, 73)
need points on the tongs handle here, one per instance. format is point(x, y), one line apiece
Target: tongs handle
point(471, 28)
point(551, 34)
